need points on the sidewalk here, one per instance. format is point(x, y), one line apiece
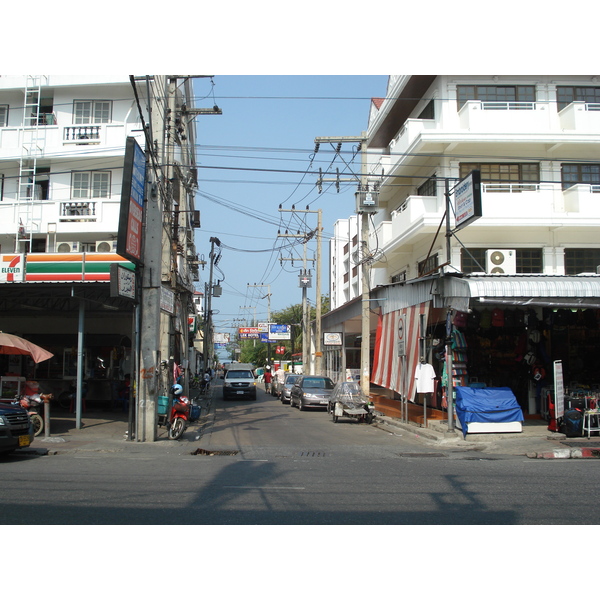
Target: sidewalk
point(107, 432)
point(535, 441)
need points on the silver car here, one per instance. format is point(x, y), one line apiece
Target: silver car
point(284, 390)
point(311, 390)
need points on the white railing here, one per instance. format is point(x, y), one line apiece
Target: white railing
point(82, 134)
point(510, 188)
point(73, 210)
point(508, 105)
point(592, 106)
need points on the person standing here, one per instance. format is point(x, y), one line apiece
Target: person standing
point(267, 378)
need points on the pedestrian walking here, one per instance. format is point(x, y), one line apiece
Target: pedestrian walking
point(268, 378)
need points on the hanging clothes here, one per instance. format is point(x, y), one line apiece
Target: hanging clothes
point(425, 378)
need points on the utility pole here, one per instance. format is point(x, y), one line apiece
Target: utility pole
point(305, 276)
point(268, 296)
point(365, 346)
point(208, 316)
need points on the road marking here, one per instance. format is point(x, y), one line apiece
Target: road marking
point(253, 487)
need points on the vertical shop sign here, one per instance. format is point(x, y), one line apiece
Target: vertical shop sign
point(129, 238)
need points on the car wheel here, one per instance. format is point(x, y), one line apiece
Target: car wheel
point(300, 405)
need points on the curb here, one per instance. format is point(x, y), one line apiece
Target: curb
point(567, 453)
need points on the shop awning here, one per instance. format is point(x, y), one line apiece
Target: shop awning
point(576, 291)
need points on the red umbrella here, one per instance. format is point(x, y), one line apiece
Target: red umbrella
point(12, 344)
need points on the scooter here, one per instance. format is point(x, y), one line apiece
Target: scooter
point(179, 415)
point(34, 407)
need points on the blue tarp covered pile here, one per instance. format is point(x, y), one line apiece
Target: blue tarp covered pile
point(487, 405)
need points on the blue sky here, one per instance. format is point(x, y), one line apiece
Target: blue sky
point(255, 157)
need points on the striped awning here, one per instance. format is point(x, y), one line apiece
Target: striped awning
point(387, 364)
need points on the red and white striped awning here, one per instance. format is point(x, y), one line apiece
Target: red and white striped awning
point(387, 364)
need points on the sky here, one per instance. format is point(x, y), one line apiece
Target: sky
point(260, 155)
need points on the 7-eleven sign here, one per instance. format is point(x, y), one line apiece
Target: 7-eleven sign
point(12, 267)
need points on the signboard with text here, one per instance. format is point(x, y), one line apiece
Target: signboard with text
point(131, 216)
point(467, 200)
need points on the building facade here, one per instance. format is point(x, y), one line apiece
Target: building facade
point(62, 151)
point(521, 279)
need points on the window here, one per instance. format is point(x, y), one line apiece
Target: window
point(428, 266)
point(580, 173)
point(504, 173)
point(86, 112)
point(90, 184)
point(3, 115)
point(570, 93)
point(581, 260)
point(495, 93)
point(428, 112)
point(529, 260)
point(429, 188)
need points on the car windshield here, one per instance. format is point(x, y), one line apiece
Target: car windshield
point(323, 383)
point(240, 375)
point(291, 379)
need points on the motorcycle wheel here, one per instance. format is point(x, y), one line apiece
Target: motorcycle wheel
point(38, 424)
point(177, 428)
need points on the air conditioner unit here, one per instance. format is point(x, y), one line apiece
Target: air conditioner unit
point(106, 246)
point(501, 261)
point(67, 247)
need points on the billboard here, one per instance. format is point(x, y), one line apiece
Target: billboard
point(131, 216)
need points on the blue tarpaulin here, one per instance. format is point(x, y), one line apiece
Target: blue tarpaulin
point(488, 405)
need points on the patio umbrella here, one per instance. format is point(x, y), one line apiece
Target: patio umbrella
point(12, 344)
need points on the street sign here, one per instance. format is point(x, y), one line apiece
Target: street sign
point(280, 332)
point(401, 337)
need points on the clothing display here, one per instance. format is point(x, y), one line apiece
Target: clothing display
point(425, 377)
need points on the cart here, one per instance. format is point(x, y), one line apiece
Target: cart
point(348, 400)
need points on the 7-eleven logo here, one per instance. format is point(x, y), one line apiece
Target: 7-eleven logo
point(12, 267)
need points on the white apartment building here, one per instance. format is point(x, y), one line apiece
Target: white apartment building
point(533, 254)
point(62, 150)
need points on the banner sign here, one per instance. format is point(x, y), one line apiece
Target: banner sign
point(249, 333)
point(131, 216)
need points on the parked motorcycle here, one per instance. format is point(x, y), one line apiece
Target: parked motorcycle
point(34, 405)
point(179, 415)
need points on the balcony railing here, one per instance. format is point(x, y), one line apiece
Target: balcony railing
point(77, 211)
point(82, 134)
point(510, 188)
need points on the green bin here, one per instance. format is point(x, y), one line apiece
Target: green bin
point(163, 405)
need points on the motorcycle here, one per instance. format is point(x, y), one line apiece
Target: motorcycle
point(34, 406)
point(179, 415)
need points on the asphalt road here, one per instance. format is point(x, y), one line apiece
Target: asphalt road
point(273, 464)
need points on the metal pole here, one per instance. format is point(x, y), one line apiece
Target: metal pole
point(450, 386)
point(79, 364)
point(318, 348)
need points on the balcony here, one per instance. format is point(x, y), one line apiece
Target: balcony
point(416, 212)
point(581, 116)
point(81, 134)
point(505, 117)
point(583, 199)
point(77, 211)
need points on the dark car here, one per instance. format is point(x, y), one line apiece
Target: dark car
point(311, 390)
point(15, 428)
point(284, 390)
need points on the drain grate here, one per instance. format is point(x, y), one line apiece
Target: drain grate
point(214, 452)
point(312, 453)
point(422, 455)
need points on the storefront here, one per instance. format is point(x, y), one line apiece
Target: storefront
point(505, 330)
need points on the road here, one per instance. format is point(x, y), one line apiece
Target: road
point(276, 465)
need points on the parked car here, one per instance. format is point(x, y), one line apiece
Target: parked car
point(311, 390)
point(284, 390)
point(239, 383)
point(16, 430)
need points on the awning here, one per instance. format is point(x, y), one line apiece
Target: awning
point(397, 329)
point(568, 291)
